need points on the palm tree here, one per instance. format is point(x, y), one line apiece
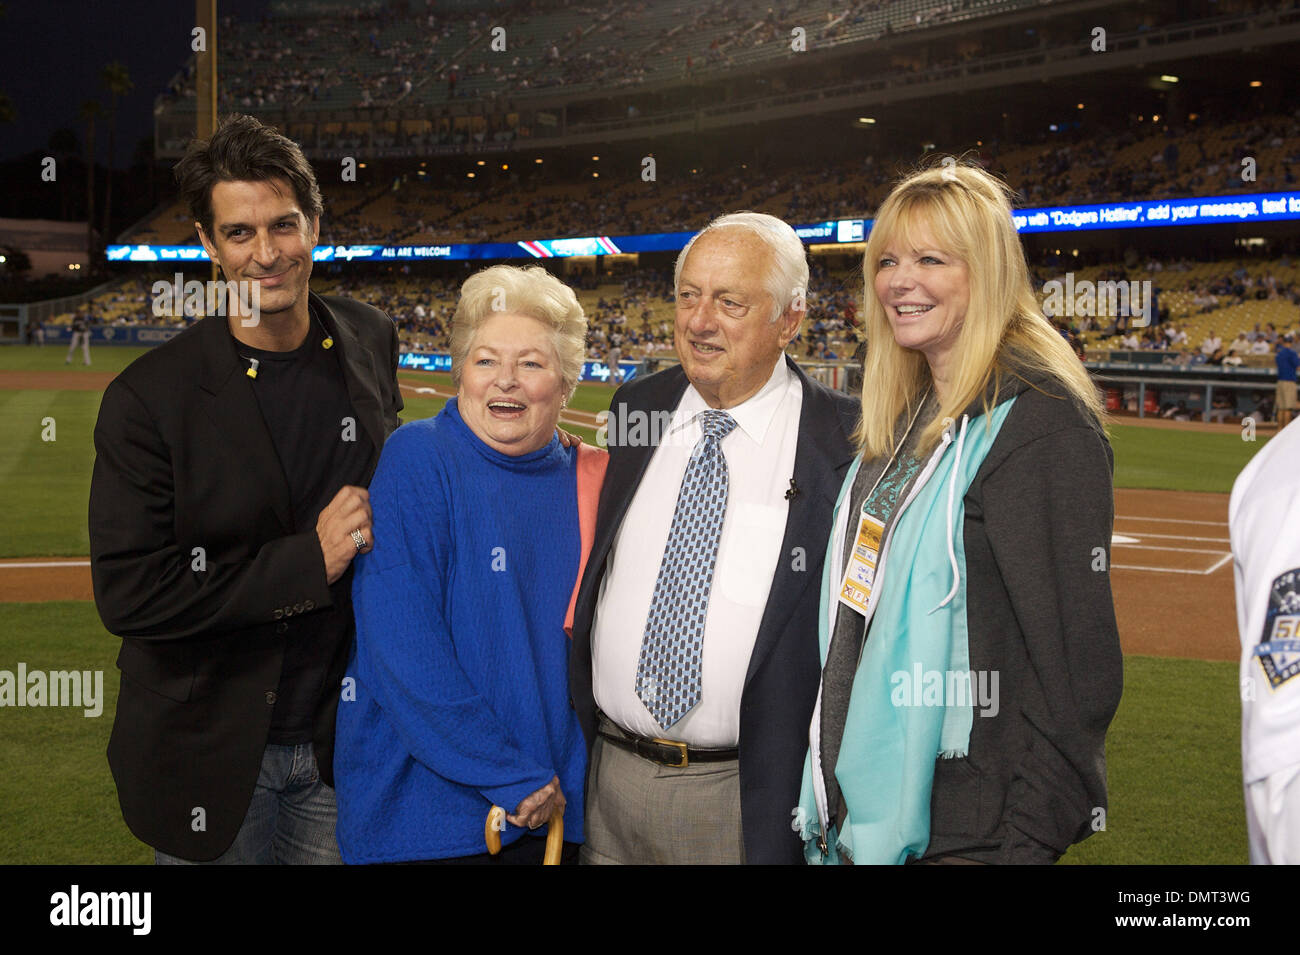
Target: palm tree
point(7, 112)
point(90, 111)
point(63, 146)
point(114, 79)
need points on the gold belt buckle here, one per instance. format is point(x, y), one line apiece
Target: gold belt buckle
point(680, 746)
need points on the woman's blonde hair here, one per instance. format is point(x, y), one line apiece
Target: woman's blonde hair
point(968, 213)
point(507, 289)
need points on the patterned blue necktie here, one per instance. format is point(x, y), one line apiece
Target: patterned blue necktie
point(668, 672)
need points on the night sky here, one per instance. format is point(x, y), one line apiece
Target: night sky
point(52, 51)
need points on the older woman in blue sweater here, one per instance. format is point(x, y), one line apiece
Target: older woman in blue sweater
point(456, 696)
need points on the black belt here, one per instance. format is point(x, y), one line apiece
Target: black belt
point(666, 752)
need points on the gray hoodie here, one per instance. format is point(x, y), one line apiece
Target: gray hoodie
point(1042, 638)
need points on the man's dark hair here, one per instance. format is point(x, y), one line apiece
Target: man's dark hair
point(244, 149)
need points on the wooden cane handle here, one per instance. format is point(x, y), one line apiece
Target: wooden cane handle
point(492, 829)
point(496, 822)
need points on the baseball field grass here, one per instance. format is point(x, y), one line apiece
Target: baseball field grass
point(58, 804)
point(105, 358)
point(1173, 766)
point(1173, 750)
point(1179, 460)
point(1172, 758)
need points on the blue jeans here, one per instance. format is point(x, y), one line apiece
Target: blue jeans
point(290, 820)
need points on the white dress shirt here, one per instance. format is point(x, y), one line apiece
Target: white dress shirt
point(760, 463)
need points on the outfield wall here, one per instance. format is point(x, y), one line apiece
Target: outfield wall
point(441, 361)
point(116, 334)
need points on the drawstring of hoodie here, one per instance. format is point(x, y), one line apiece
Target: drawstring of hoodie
point(952, 496)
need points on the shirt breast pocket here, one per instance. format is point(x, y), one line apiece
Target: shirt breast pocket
point(744, 573)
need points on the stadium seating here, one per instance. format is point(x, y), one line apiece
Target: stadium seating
point(407, 204)
point(327, 57)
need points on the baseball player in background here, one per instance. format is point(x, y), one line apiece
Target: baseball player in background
point(612, 359)
point(1262, 517)
point(80, 336)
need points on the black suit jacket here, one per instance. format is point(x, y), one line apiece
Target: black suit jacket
point(781, 683)
point(183, 461)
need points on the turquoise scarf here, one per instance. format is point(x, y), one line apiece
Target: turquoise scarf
point(894, 730)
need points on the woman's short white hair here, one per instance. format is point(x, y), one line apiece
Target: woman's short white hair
point(507, 289)
point(788, 281)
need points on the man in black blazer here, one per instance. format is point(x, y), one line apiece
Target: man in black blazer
point(227, 503)
point(720, 784)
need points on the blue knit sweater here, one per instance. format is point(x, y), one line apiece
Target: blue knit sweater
point(460, 667)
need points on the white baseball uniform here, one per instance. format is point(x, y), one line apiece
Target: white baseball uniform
point(1264, 524)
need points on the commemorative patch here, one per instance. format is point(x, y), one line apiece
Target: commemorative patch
point(1278, 651)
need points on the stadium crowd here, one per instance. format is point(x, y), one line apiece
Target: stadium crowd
point(1219, 313)
point(387, 53)
point(1202, 156)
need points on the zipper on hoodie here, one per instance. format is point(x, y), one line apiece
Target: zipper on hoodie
point(819, 780)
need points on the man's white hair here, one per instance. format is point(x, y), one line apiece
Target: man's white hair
point(788, 280)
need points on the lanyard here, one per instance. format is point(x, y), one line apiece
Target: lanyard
point(897, 448)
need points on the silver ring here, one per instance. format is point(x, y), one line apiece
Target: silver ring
point(359, 539)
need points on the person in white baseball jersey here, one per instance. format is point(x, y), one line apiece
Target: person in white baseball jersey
point(1262, 516)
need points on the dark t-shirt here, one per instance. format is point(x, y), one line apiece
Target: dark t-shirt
point(304, 401)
